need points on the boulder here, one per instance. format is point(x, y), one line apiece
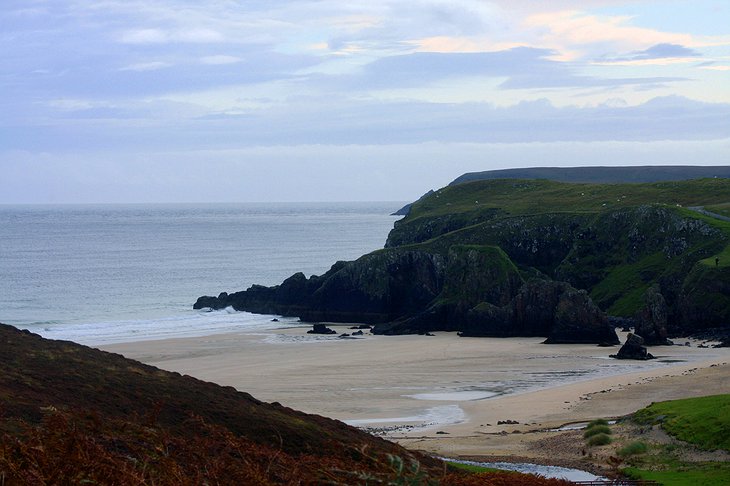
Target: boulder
point(207, 301)
point(321, 329)
point(633, 348)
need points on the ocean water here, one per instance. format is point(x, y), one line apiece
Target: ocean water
point(98, 274)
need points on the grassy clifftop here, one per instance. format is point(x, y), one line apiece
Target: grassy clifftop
point(516, 197)
point(614, 174)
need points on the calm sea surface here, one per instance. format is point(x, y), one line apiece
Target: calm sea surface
point(114, 273)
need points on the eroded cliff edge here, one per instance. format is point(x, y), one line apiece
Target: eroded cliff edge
point(529, 258)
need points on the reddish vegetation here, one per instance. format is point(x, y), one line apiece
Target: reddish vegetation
point(74, 415)
point(66, 449)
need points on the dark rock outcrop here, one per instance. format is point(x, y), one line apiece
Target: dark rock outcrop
point(540, 308)
point(321, 329)
point(378, 287)
point(477, 274)
point(704, 300)
point(578, 319)
point(543, 308)
point(473, 289)
point(633, 348)
point(651, 320)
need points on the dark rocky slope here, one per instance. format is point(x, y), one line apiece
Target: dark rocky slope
point(529, 258)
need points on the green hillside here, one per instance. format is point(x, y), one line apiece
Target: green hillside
point(615, 240)
point(510, 197)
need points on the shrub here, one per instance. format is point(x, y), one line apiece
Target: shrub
point(593, 423)
point(595, 430)
point(599, 440)
point(632, 449)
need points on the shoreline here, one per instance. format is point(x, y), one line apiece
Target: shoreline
point(547, 412)
point(466, 384)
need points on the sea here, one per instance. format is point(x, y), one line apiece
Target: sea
point(101, 274)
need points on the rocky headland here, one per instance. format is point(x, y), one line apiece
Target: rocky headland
point(510, 257)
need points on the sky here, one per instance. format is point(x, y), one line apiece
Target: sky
point(113, 101)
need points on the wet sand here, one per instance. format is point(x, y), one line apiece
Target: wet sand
point(442, 394)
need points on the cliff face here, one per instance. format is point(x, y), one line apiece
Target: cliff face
point(378, 287)
point(529, 258)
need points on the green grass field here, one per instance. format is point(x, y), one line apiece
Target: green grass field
point(702, 422)
point(471, 467)
point(708, 474)
point(536, 196)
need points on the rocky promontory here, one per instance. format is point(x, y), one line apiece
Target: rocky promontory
point(529, 258)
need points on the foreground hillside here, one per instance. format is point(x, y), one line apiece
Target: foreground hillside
point(70, 414)
point(531, 258)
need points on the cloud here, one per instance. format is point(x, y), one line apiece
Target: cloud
point(344, 122)
point(160, 36)
point(583, 33)
point(147, 66)
point(220, 59)
point(424, 67)
point(144, 36)
point(658, 54)
point(174, 73)
point(114, 77)
point(518, 68)
point(660, 51)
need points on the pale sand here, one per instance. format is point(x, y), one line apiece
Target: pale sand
point(372, 380)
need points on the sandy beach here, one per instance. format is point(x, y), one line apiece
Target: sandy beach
point(442, 394)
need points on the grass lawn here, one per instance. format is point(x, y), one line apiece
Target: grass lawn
point(702, 422)
point(709, 474)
